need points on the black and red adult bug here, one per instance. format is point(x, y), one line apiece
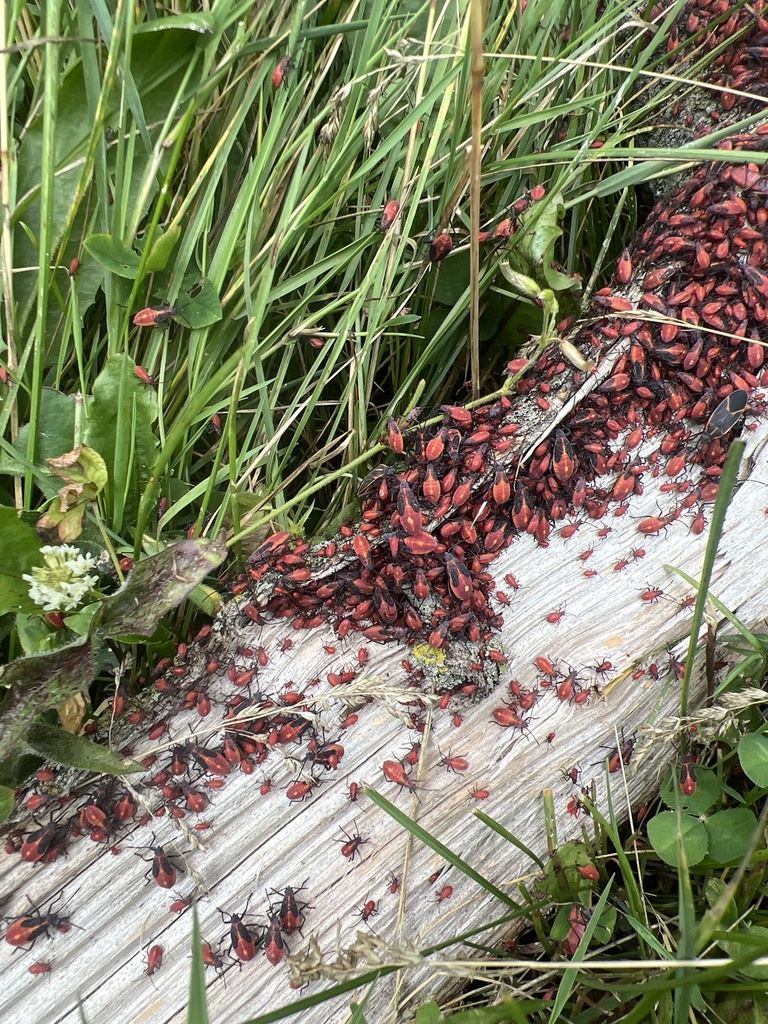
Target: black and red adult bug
point(212, 762)
point(244, 939)
point(155, 316)
point(274, 945)
point(162, 869)
point(24, 931)
point(620, 756)
point(290, 913)
point(726, 415)
point(44, 844)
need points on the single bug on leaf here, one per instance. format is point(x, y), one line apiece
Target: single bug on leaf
point(391, 210)
point(440, 248)
point(155, 316)
point(688, 780)
point(279, 73)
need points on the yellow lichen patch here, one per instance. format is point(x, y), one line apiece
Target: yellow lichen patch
point(431, 657)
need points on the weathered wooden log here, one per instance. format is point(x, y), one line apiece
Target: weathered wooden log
point(509, 617)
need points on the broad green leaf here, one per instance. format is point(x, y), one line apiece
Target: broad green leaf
point(161, 250)
point(55, 435)
point(55, 744)
point(17, 768)
point(753, 757)
point(752, 939)
point(113, 255)
point(36, 636)
point(663, 836)
point(120, 421)
point(204, 308)
point(730, 834)
point(429, 1013)
point(19, 552)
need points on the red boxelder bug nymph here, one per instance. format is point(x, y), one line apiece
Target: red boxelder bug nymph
point(40, 968)
point(154, 959)
point(726, 415)
point(279, 73)
point(370, 908)
point(453, 764)
point(395, 772)
point(351, 844)
point(688, 780)
point(440, 248)
point(154, 316)
point(211, 958)
point(391, 210)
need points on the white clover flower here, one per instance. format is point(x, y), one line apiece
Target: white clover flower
point(61, 584)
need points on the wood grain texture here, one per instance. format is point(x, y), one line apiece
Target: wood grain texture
point(263, 843)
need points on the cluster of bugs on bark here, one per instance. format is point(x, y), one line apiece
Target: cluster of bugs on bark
point(418, 565)
point(247, 935)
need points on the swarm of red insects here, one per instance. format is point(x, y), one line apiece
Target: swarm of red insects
point(419, 563)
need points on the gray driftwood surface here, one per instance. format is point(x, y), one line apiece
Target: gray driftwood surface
point(262, 842)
